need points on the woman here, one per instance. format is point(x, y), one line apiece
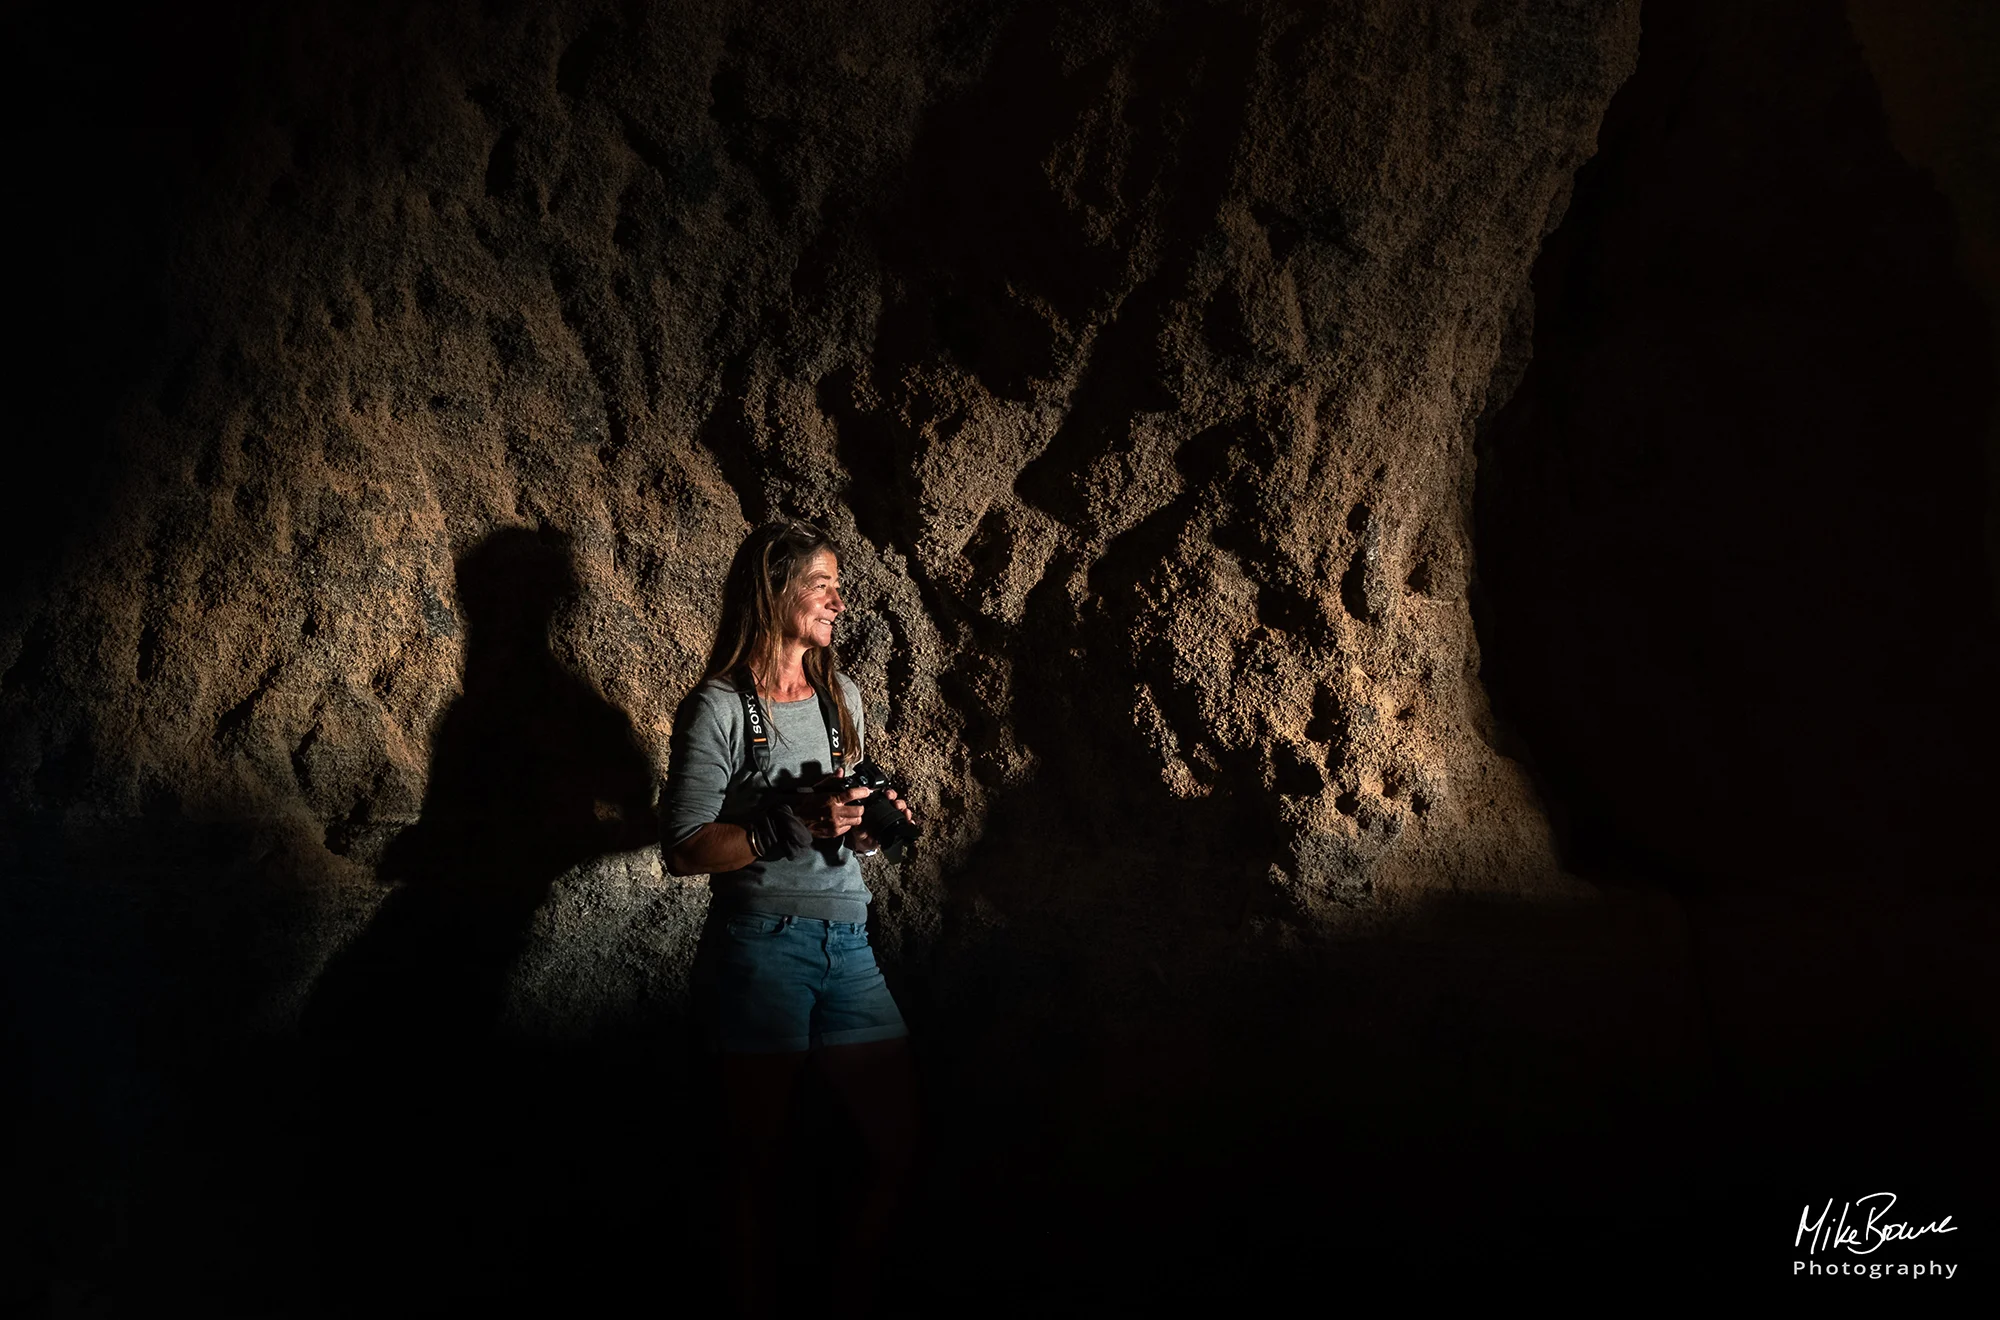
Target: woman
point(790, 974)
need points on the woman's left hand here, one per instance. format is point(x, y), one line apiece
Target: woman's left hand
point(862, 841)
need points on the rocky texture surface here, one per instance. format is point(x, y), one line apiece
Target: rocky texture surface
point(1133, 352)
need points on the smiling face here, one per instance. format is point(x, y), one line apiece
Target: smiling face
point(815, 601)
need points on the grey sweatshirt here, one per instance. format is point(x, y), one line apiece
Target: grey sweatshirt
point(711, 777)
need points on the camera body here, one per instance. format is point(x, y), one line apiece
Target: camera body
point(879, 816)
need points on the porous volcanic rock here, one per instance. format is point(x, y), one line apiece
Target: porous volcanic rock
point(1132, 351)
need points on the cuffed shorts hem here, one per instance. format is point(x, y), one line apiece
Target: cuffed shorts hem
point(862, 1035)
point(738, 1042)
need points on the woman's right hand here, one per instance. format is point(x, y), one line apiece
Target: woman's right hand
point(829, 815)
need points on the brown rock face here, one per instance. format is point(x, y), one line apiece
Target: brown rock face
point(1131, 353)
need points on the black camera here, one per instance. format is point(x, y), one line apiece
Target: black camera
point(879, 816)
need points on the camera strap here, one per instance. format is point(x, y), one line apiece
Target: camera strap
point(758, 728)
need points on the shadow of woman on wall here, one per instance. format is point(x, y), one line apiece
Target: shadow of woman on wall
point(532, 773)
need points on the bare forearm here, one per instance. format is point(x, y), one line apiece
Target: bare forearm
point(711, 850)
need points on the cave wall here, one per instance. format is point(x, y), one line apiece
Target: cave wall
point(1132, 352)
point(415, 368)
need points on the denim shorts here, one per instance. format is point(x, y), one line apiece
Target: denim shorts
point(781, 984)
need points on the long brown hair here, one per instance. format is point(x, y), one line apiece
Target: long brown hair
point(763, 586)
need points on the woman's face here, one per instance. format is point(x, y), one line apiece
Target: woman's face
point(817, 602)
